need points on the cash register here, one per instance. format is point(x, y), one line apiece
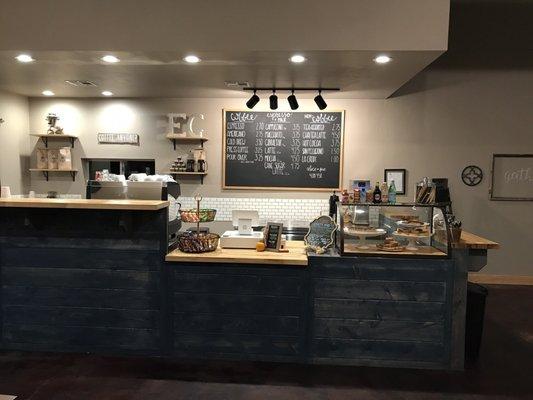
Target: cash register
point(243, 236)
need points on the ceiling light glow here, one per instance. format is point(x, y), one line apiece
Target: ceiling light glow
point(110, 59)
point(24, 58)
point(107, 93)
point(192, 59)
point(382, 59)
point(297, 59)
point(48, 93)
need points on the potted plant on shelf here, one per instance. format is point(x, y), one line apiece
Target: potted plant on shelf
point(454, 225)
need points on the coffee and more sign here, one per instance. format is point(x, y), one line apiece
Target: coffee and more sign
point(118, 138)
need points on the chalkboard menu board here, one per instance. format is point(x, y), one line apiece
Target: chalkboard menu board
point(282, 150)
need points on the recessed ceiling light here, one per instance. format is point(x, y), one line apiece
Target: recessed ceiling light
point(24, 58)
point(107, 93)
point(297, 59)
point(192, 59)
point(110, 59)
point(48, 93)
point(383, 59)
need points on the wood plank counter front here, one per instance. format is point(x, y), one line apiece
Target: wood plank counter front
point(145, 205)
point(296, 256)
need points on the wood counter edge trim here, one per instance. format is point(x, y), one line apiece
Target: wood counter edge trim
point(472, 241)
point(233, 260)
point(142, 205)
point(490, 279)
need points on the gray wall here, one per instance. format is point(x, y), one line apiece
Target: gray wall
point(441, 122)
point(14, 142)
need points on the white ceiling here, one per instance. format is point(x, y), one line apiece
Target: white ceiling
point(237, 40)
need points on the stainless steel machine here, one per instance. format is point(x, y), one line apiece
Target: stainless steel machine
point(132, 190)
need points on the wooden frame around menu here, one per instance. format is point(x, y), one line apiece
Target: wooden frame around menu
point(306, 189)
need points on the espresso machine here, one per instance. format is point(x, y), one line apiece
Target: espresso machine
point(134, 190)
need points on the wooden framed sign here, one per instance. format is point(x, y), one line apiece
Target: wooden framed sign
point(512, 177)
point(273, 236)
point(274, 150)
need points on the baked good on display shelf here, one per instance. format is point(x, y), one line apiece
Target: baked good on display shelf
point(413, 227)
point(390, 244)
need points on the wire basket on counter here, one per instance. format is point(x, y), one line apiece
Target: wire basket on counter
point(203, 215)
point(194, 242)
point(197, 241)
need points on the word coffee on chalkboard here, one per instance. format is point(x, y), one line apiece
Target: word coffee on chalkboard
point(273, 236)
point(283, 150)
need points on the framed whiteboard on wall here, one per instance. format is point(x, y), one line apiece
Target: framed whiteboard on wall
point(512, 177)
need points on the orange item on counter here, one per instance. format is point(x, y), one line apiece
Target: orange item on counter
point(260, 246)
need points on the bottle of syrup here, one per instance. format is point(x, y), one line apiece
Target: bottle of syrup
point(377, 194)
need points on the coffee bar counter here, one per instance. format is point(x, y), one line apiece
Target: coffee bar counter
point(82, 275)
point(97, 276)
point(295, 256)
point(470, 241)
point(146, 205)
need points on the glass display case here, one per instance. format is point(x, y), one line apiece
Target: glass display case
point(392, 229)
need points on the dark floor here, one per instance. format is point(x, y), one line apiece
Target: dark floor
point(504, 371)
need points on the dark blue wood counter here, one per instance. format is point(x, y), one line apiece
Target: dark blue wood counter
point(93, 280)
point(83, 279)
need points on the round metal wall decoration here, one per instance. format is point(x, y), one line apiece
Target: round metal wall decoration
point(472, 175)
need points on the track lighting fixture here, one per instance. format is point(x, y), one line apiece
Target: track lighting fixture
point(252, 101)
point(319, 100)
point(293, 103)
point(273, 100)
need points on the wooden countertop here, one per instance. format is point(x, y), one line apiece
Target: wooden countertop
point(146, 205)
point(296, 256)
point(471, 241)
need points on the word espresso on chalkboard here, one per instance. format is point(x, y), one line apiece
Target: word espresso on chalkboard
point(283, 150)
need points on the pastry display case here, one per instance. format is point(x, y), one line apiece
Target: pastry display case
point(392, 230)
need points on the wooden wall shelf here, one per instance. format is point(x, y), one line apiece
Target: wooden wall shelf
point(46, 172)
point(200, 174)
point(46, 137)
point(180, 139)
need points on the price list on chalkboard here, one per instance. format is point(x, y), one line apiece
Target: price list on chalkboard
point(300, 150)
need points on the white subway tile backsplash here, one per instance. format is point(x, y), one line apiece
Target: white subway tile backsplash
point(269, 208)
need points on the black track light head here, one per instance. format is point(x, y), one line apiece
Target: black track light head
point(273, 100)
point(293, 103)
point(252, 101)
point(320, 102)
